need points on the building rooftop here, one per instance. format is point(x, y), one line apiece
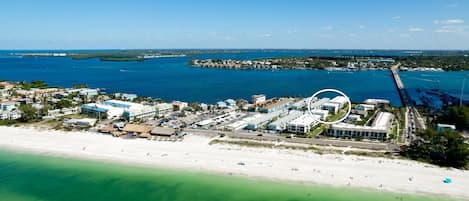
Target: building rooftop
point(277, 103)
point(293, 114)
point(261, 118)
point(136, 128)
point(163, 131)
point(383, 120)
point(319, 103)
point(305, 119)
point(339, 99)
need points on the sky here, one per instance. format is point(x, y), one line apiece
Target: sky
point(296, 24)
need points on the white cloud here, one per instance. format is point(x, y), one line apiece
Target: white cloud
point(291, 31)
point(327, 27)
point(416, 29)
point(352, 35)
point(449, 21)
point(391, 30)
point(452, 29)
point(396, 17)
point(361, 26)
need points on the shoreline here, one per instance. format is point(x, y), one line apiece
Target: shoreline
point(195, 155)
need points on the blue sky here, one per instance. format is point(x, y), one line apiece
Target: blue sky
point(332, 24)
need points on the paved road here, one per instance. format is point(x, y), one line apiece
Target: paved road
point(312, 141)
point(413, 119)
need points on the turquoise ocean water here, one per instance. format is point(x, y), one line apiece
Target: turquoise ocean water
point(27, 177)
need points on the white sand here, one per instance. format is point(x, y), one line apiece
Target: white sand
point(194, 153)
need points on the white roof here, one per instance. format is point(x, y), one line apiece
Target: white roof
point(380, 124)
point(305, 119)
point(205, 122)
point(339, 99)
point(265, 117)
point(119, 102)
point(330, 104)
point(321, 112)
point(382, 120)
point(319, 103)
point(376, 101)
point(288, 118)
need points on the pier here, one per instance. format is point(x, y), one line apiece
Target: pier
point(413, 120)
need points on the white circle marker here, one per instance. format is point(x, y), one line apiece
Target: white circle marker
point(335, 91)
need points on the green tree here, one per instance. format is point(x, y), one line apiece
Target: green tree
point(28, 113)
point(456, 115)
point(446, 148)
point(63, 103)
point(80, 86)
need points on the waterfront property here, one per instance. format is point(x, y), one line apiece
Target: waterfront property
point(303, 124)
point(262, 119)
point(179, 105)
point(379, 130)
point(115, 108)
point(317, 104)
point(135, 130)
point(162, 131)
point(9, 111)
point(163, 109)
point(281, 123)
point(101, 111)
point(79, 123)
point(273, 105)
point(331, 107)
point(256, 99)
point(323, 114)
point(133, 111)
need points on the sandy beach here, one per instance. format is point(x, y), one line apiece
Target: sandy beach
point(195, 154)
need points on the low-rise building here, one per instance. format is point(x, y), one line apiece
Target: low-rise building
point(163, 131)
point(445, 127)
point(331, 107)
point(79, 123)
point(136, 130)
point(303, 124)
point(380, 129)
point(256, 99)
point(317, 104)
point(133, 111)
point(10, 115)
point(101, 111)
point(341, 100)
point(281, 123)
point(237, 125)
point(262, 119)
point(275, 105)
point(9, 111)
point(377, 102)
point(362, 109)
point(178, 105)
point(222, 104)
point(206, 124)
point(164, 108)
point(230, 102)
point(127, 97)
point(323, 114)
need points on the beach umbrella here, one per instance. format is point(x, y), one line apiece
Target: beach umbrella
point(448, 180)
